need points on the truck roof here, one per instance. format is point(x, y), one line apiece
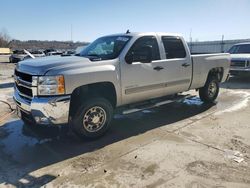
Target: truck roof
point(133, 34)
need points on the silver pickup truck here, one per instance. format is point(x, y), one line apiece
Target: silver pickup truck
point(121, 70)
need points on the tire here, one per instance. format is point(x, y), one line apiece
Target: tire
point(28, 120)
point(210, 91)
point(92, 118)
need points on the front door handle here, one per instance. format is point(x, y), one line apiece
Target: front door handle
point(158, 68)
point(185, 65)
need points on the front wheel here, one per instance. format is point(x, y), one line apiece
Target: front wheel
point(210, 91)
point(92, 118)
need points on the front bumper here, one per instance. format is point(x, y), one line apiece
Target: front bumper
point(44, 110)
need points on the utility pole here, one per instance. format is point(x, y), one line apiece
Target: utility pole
point(71, 33)
point(222, 43)
point(190, 40)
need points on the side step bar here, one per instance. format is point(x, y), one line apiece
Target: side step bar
point(153, 105)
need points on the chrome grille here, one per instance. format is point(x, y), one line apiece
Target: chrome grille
point(23, 84)
point(24, 76)
point(239, 63)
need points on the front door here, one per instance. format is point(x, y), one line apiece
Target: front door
point(141, 81)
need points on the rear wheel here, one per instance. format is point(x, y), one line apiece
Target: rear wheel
point(93, 118)
point(210, 91)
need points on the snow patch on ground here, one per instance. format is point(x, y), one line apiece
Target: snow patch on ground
point(239, 105)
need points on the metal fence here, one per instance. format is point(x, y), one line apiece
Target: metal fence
point(213, 46)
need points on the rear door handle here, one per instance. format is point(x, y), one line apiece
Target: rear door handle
point(158, 68)
point(185, 65)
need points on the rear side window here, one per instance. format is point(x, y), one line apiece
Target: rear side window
point(174, 47)
point(138, 47)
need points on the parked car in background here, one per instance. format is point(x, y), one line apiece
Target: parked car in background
point(129, 72)
point(47, 51)
point(35, 53)
point(38, 53)
point(68, 53)
point(54, 53)
point(240, 59)
point(18, 55)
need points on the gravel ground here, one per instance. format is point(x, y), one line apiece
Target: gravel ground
point(186, 144)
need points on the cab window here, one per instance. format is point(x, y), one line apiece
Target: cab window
point(138, 49)
point(174, 47)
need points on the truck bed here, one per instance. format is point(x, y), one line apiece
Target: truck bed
point(203, 63)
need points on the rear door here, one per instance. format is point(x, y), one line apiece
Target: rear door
point(177, 62)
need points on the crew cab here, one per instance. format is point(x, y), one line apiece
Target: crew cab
point(114, 72)
point(240, 63)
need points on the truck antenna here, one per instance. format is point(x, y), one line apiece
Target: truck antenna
point(127, 32)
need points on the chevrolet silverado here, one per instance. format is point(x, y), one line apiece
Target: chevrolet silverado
point(118, 71)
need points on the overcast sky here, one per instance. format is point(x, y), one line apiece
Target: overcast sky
point(52, 19)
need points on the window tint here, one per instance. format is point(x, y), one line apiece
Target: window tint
point(240, 49)
point(174, 47)
point(138, 49)
point(232, 50)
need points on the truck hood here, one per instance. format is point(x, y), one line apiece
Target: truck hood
point(240, 56)
point(39, 66)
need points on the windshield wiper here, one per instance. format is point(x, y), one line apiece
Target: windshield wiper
point(93, 57)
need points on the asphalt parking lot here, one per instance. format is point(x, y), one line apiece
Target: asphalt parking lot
point(183, 144)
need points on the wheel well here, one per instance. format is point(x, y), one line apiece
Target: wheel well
point(101, 89)
point(217, 73)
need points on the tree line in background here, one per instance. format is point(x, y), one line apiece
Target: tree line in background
point(42, 45)
point(4, 39)
point(7, 42)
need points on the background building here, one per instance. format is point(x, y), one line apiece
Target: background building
point(213, 46)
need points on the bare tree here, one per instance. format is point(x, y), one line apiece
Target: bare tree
point(4, 38)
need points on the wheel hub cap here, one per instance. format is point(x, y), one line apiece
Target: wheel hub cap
point(94, 119)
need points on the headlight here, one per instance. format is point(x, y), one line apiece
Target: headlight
point(51, 85)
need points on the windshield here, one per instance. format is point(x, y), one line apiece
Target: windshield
point(105, 48)
point(240, 49)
